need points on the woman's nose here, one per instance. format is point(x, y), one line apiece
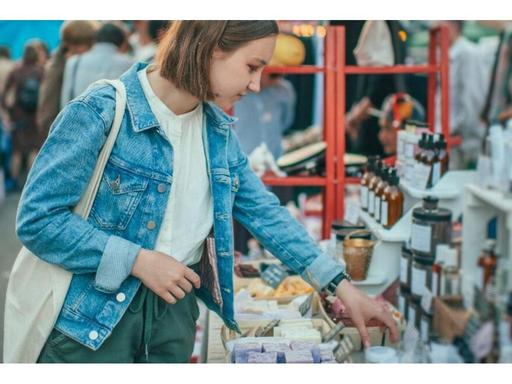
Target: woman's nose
point(254, 86)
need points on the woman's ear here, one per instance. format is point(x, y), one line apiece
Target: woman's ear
point(218, 53)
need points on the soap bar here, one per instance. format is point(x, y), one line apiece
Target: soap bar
point(262, 357)
point(241, 351)
point(297, 345)
point(279, 348)
point(302, 356)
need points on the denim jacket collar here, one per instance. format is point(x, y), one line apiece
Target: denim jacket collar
point(141, 114)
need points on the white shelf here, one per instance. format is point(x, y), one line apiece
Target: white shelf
point(398, 233)
point(450, 186)
point(493, 198)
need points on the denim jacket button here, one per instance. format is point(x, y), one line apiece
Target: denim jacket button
point(120, 297)
point(93, 335)
point(151, 225)
point(162, 188)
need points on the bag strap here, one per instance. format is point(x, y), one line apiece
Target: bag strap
point(84, 205)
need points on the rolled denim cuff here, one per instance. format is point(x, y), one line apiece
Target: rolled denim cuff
point(116, 264)
point(321, 271)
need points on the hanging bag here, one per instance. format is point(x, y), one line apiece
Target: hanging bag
point(36, 289)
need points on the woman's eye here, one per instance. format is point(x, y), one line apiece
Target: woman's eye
point(252, 68)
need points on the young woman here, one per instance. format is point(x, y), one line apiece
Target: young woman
point(176, 174)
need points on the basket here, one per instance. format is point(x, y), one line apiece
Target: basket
point(357, 254)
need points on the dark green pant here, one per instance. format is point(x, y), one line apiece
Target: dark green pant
point(150, 331)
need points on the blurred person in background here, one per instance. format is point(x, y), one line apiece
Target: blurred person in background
point(24, 80)
point(469, 79)
point(77, 36)
point(43, 51)
point(6, 65)
point(156, 30)
point(103, 61)
point(142, 43)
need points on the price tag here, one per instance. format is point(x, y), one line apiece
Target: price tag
point(426, 300)
point(274, 275)
point(351, 212)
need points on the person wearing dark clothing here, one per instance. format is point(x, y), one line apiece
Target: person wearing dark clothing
point(77, 37)
point(24, 79)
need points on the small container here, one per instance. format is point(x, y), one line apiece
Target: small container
point(414, 314)
point(365, 180)
point(425, 326)
point(421, 278)
point(451, 284)
point(431, 226)
point(405, 269)
point(372, 183)
point(357, 254)
point(339, 230)
point(381, 355)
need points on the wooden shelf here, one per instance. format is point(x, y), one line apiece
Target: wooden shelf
point(423, 68)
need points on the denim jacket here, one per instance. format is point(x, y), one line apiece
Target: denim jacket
point(128, 210)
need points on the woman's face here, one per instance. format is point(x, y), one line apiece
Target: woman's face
point(387, 137)
point(236, 73)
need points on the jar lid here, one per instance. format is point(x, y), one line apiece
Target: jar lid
point(379, 354)
point(436, 215)
point(342, 224)
point(423, 260)
point(340, 235)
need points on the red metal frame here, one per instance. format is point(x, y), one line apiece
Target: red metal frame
point(438, 45)
point(335, 72)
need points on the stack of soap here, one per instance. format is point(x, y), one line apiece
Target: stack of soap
point(302, 356)
point(262, 357)
point(241, 351)
point(312, 348)
point(279, 348)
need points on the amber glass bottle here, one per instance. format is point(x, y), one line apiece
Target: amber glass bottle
point(365, 180)
point(392, 204)
point(379, 191)
point(371, 187)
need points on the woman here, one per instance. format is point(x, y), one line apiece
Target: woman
point(175, 174)
point(24, 82)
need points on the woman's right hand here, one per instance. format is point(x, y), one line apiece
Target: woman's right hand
point(164, 275)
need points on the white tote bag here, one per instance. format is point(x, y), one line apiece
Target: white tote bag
point(37, 289)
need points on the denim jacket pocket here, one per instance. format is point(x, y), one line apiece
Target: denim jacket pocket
point(119, 194)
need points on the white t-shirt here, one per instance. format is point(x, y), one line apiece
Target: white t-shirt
point(188, 217)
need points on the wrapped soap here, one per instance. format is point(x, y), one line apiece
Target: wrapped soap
point(302, 357)
point(327, 356)
point(241, 351)
point(262, 357)
point(306, 346)
point(279, 348)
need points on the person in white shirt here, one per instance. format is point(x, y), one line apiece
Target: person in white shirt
point(469, 80)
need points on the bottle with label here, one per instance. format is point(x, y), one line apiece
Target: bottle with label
point(430, 159)
point(451, 279)
point(487, 263)
point(371, 187)
point(421, 146)
point(444, 157)
point(379, 190)
point(392, 202)
point(365, 180)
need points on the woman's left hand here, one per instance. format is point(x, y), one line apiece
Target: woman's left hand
point(362, 309)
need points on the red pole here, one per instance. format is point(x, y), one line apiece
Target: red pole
point(340, 121)
point(445, 84)
point(432, 80)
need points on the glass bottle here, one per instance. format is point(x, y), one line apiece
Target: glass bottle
point(451, 279)
point(430, 158)
point(487, 263)
point(392, 204)
point(365, 180)
point(444, 157)
point(421, 146)
point(379, 189)
point(371, 187)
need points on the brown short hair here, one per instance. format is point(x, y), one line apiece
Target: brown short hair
point(78, 32)
point(186, 49)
